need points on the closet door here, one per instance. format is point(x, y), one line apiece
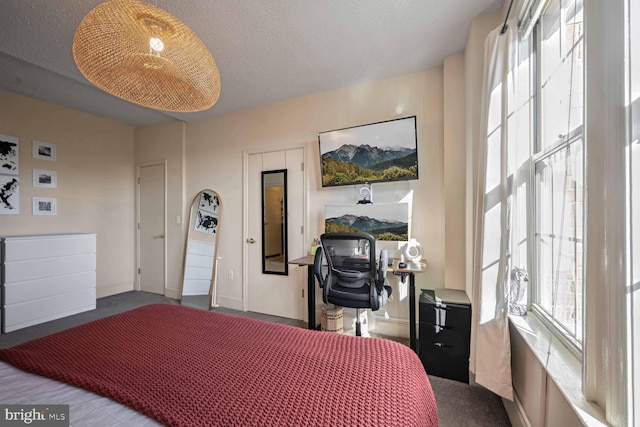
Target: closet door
point(151, 227)
point(275, 294)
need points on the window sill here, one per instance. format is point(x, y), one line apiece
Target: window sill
point(561, 366)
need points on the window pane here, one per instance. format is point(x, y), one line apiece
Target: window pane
point(544, 234)
point(519, 227)
point(524, 96)
point(562, 69)
point(524, 134)
point(559, 180)
point(578, 230)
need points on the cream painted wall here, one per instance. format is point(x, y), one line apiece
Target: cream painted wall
point(214, 156)
point(167, 142)
point(454, 171)
point(95, 173)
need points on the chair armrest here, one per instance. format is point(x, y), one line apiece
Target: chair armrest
point(382, 268)
point(317, 267)
point(374, 300)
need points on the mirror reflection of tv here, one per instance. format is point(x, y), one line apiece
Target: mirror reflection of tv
point(377, 152)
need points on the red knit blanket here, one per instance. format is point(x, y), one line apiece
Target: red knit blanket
point(188, 367)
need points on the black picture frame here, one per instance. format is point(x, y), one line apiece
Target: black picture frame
point(377, 152)
point(283, 256)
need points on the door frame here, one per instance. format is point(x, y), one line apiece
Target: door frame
point(137, 224)
point(245, 211)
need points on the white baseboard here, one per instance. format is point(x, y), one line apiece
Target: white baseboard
point(105, 291)
point(229, 302)
point(516, 413)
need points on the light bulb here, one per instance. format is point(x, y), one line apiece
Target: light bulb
point(156, 44)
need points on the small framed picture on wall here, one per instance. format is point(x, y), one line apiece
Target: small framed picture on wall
point(44, 151)
point(44, 206)
point(8, 155)
point(45, 179)
point(9, 195)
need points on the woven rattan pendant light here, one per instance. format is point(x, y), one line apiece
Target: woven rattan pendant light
point(142, 54)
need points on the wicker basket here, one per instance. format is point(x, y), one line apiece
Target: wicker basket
point(331, 319)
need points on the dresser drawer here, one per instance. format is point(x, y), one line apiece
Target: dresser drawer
point(15, 293)
point(32, 312)
point(445, 362)
point(35, 248)
point(449, 315)
point(21, 271)
point(454, 339)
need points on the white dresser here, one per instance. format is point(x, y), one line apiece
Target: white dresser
point(46, 277)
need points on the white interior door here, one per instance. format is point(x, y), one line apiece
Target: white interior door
point(278, 295)
point(151, 228)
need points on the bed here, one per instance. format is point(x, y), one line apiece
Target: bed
point(182, 366)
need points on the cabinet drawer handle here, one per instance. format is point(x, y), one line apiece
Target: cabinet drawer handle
point(436, 325)
point(442, 345)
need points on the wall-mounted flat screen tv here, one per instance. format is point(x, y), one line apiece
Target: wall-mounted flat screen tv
point(378, 152)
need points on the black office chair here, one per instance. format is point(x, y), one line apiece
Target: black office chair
point(353, 279)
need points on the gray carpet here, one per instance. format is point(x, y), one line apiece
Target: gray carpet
point(462, 405)
point(459, 405)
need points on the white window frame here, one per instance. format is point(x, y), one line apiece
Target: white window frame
point(565, 336)
point(606, 346)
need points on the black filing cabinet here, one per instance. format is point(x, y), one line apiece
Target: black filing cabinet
point(445, 333)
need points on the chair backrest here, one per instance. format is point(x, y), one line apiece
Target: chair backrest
point(352, 279)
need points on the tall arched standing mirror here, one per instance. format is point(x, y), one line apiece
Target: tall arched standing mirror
point(200, 258)
point(274, 222)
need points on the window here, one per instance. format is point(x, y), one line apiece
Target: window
point(559, 169)
point(538, 131)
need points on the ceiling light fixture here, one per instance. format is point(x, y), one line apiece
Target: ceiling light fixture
point(142, 54)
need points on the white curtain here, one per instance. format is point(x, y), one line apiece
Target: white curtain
point(500, 197)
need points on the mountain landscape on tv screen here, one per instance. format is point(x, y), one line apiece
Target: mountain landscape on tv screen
point(351, 164)
point(381, 229)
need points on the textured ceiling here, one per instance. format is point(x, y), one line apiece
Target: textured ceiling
point(267, 51)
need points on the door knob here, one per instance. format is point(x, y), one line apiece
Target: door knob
point(159, 236)
point(251, 240)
